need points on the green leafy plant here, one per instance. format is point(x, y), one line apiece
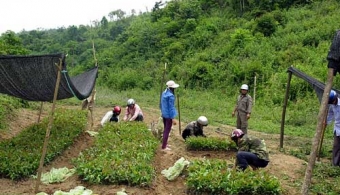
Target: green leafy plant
point(214, 176)
point(209, 143)
point(122, 154)
point(20, 156)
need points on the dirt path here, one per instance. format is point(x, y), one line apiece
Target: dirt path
point(285, 167)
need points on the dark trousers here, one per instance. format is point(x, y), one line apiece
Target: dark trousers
point(247, 158)
point(167, 128)
point(139, 118)
point(336, 151)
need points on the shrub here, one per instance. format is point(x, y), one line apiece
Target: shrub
point(266, 24)
point(20, 156)
point(122, 154)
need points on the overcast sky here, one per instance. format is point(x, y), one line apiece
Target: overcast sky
point(17, 15)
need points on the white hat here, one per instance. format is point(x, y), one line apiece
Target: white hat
point(245, 87)
point(172, 84)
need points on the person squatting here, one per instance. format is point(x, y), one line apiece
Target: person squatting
point(195, 128)
point(252, 151)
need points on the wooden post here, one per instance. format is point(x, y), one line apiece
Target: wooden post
point(284, 109)
point(179, 116)
point(91, 105)
point(49, 127)
point(322, 135)
point(40, 111)
point(161, 85)
point(93, 93)
point(317, 136)
point(254, 95)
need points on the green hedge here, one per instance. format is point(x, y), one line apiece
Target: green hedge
point(20, 156)
point(214, 177)
point(122, 154)
point(209, 143)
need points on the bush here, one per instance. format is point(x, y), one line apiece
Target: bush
point(266, 24)
point(20, 156)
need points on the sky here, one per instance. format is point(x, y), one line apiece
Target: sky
point(18, 15)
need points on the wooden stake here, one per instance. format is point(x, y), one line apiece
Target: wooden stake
point(93, 93)
point(179, 116)
point(49, 127)
point(254, 95)
point(284, 110)
point(91, 105)
point(317, 136)
point(322, 135)
point(40, 111)
point(161, 85)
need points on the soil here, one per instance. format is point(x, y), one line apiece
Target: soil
point(286, 168)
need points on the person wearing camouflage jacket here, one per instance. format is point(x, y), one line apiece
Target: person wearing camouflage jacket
point(252, 151)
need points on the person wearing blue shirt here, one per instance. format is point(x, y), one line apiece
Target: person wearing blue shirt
point(168, 110)
point(334, 115)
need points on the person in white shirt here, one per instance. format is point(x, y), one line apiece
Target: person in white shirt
point(334, 115)
point(111, 116)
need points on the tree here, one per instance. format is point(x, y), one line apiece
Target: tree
point(11, 44)
point(104, 23)
point(119, 14)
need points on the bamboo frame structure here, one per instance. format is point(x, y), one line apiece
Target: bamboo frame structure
point(179, 116)
point(49, 127)
point(284, 110)
point(161, 84)
point(317, 136)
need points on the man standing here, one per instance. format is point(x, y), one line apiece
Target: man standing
point(168, 110)
point(334, 115)
point(243, 109)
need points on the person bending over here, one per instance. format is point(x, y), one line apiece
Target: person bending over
point(195, 128)
point(111, 116)
point(252, 151)
point(133, 111)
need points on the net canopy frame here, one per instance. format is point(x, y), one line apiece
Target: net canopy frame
point(33, 78)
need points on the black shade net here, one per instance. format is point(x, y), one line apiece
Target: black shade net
point(34, 78)
point(317, 85)
point(333, 56)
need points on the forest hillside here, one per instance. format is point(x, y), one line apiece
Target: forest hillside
point(206, 44)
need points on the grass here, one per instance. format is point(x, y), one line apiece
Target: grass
point(299, 129)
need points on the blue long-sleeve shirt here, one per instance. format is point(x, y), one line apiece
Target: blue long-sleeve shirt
point(168, 108)
point(334, 114)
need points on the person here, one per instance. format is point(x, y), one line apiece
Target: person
point(168, 110)
point(112, 115)
point(334, 115)
point(195, 128)
point(133, 111)
point(243, 108)
point(252, 151)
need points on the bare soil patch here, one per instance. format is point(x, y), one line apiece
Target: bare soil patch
point(286, 168)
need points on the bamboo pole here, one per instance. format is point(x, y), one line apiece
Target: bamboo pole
point(179, 116)
point(161, 85)
point(322, 135)
point(284, 110)
point(321, 117)
point(40, 112)
point(254, 96)
point(49, 127)
point(93, 93)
